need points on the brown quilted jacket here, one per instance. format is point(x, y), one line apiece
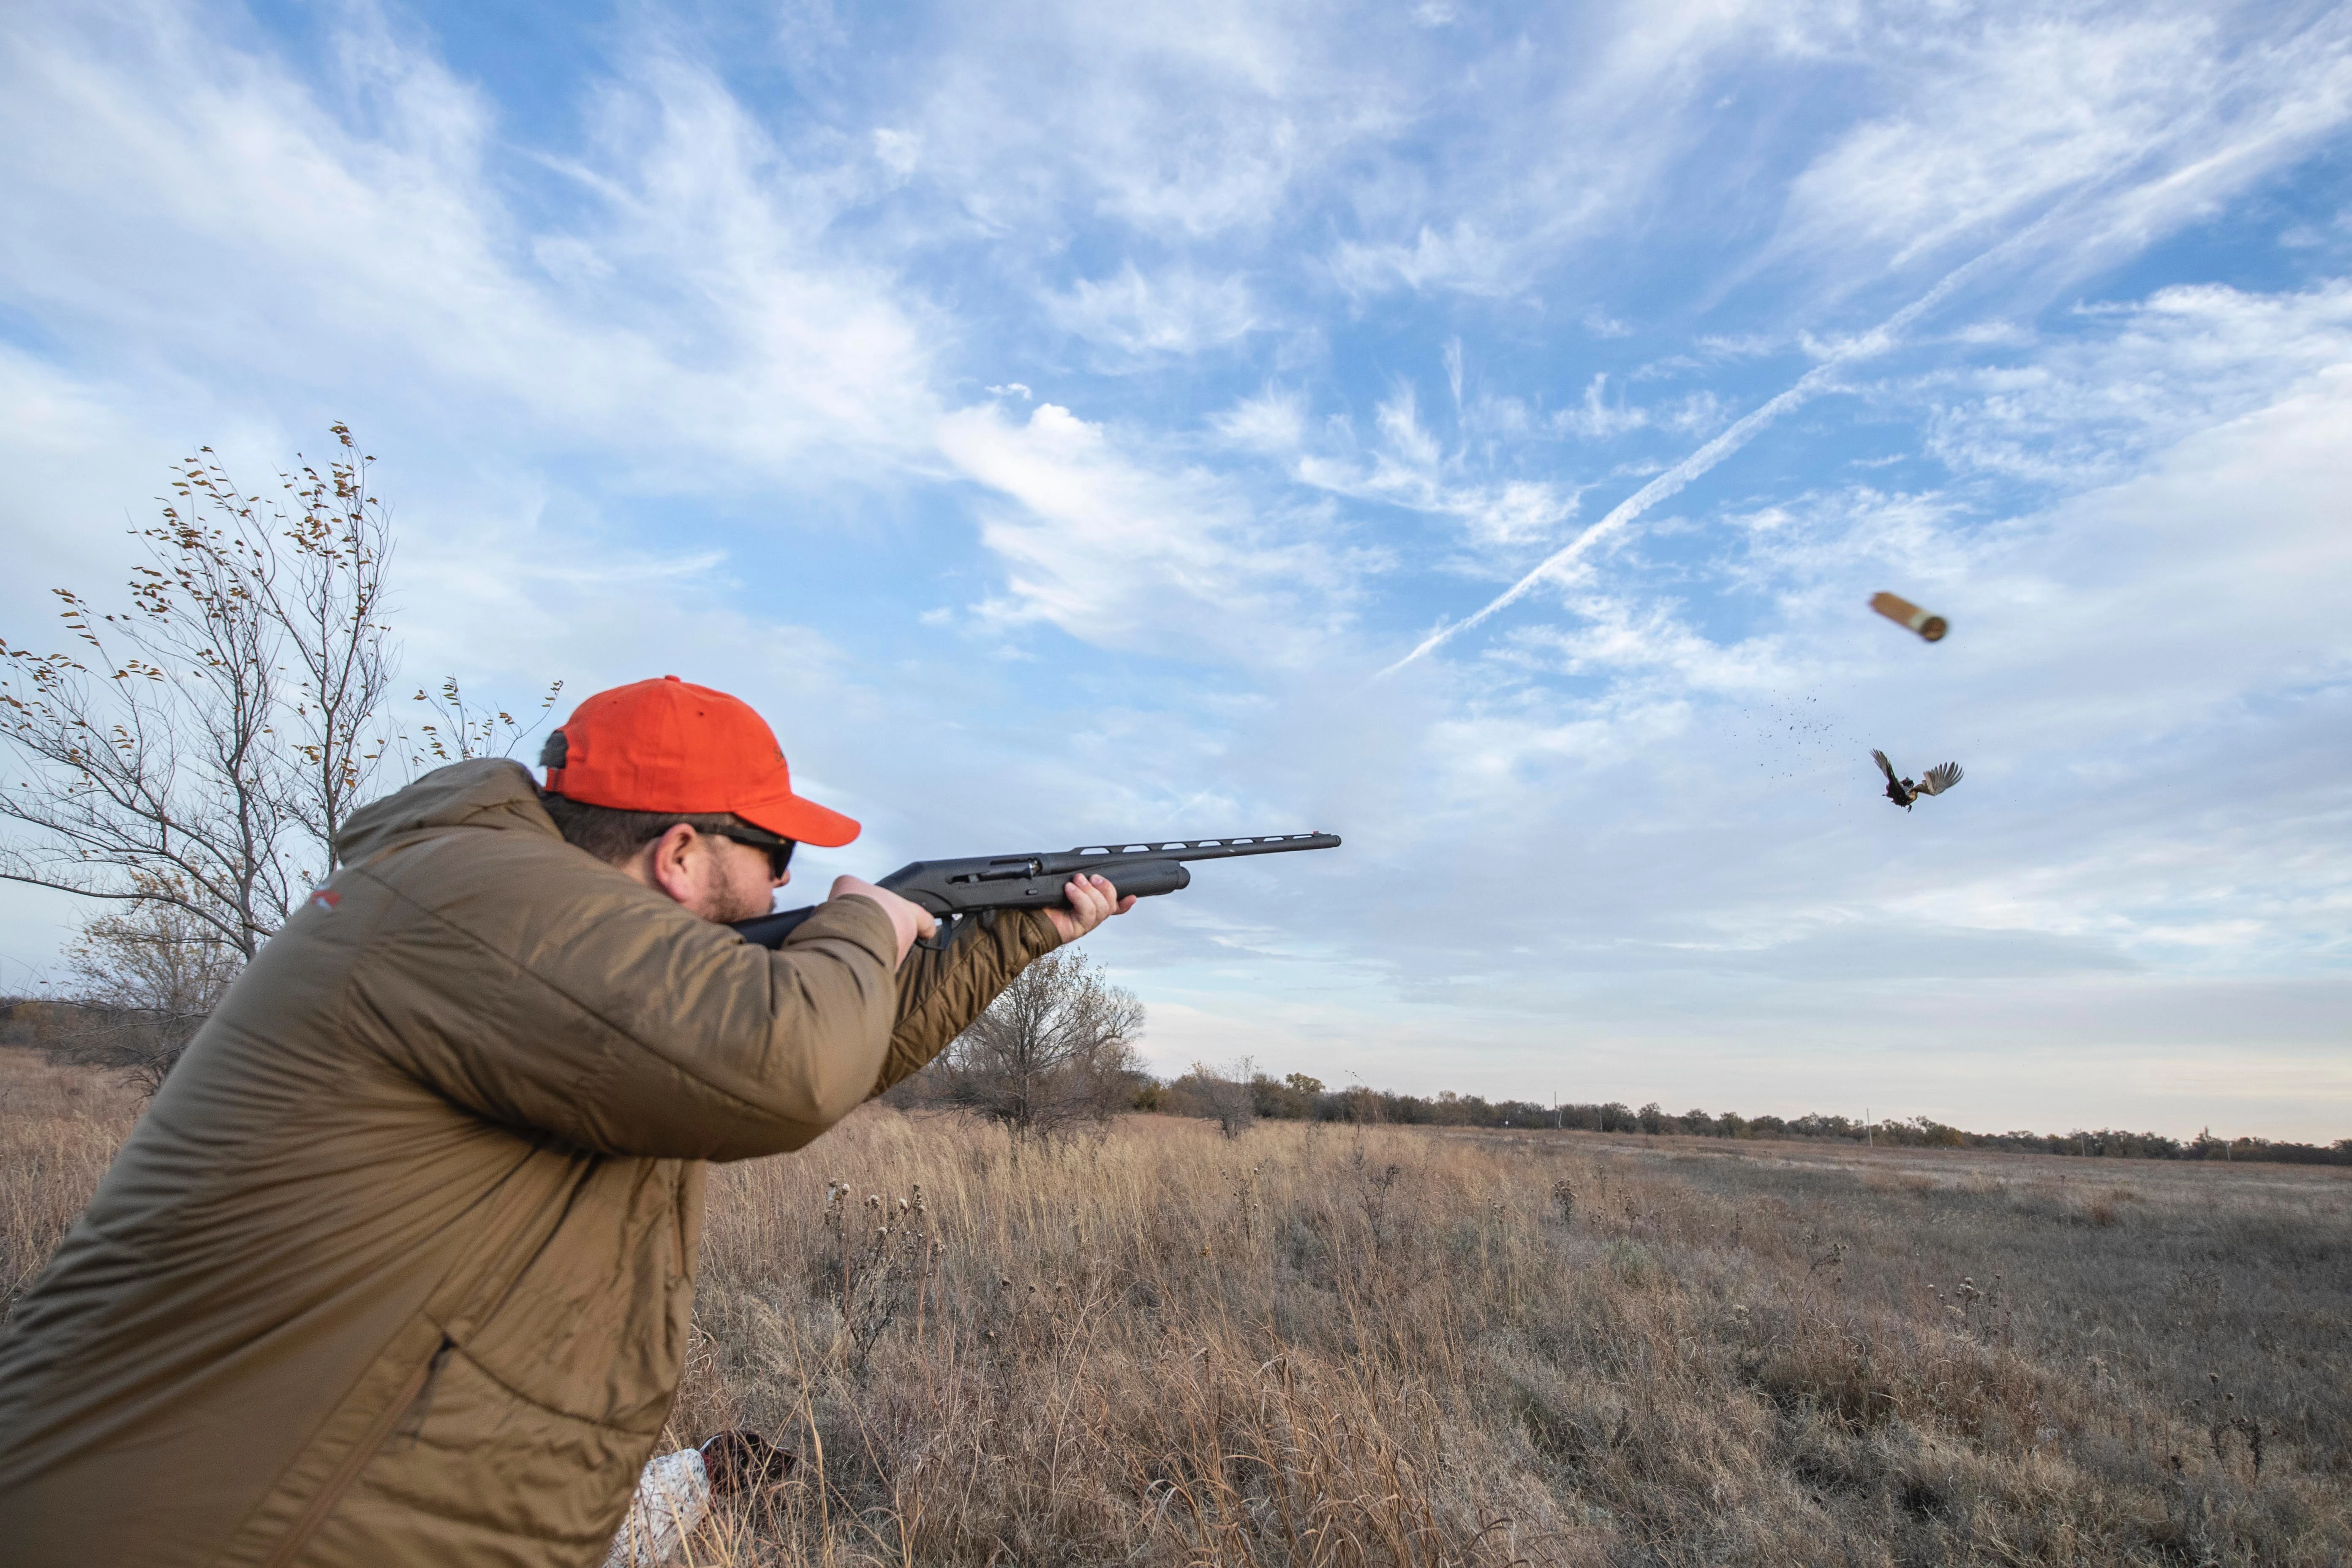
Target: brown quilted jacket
point(398, 1268)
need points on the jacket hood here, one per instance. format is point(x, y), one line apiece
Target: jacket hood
point(481, 792)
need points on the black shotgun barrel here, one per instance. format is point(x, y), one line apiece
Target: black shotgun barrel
point(953, 888)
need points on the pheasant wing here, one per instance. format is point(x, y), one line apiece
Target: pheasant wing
point(1883, 765)
point(1936, 780)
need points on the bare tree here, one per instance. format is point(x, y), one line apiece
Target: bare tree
point(146, 976)
point(459, 729)
point(200, 750)
point(1055, 1049)
point(1229, 1100)
point(192, 761)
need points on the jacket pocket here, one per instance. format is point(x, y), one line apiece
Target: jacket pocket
point(411, 1424)
point(489, 1476)
point(410, 1394)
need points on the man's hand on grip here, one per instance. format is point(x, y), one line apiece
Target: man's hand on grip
point(907, 919)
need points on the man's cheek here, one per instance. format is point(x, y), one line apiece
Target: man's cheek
point(756, 897)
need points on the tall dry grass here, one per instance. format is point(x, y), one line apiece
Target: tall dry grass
point(59, 1126)
point(1332, 1345)
point(1321, 1344)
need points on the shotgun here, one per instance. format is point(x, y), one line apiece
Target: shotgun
point(951, 889)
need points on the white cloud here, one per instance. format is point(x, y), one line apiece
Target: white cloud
point(303, 247)
point(1273, 422)
point(1648, 650)
point(1185, 126)
point(1547, 144)
point(1175, 312)
point(900, 151)
point(1465, 259)
point(1408, 467)
point(1597, 419)
point(1403, 440)
point(2135, 378)
point(1125, 554)
point(2024, 109)
point(2115, 127)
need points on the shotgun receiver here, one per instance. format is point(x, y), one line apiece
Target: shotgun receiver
point(953, 888)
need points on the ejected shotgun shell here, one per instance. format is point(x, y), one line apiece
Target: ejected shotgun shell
point(1896, 608)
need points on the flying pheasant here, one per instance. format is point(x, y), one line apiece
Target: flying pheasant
point(1903, 792)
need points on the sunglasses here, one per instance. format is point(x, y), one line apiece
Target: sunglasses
point(778, 850)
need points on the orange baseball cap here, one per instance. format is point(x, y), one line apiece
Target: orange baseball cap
point(670, 746)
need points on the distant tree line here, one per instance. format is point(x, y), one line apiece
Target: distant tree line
point(1055, 1054)
point(1295, 1097)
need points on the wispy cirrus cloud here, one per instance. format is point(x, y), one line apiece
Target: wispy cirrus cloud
point(1125, 553)
point(1175, 311)
point(1401, 462)
point(688, 303)
point(2134, 377)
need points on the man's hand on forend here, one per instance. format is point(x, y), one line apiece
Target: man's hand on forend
point(1092, 901)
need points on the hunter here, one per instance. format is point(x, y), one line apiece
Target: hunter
point(398, 1268)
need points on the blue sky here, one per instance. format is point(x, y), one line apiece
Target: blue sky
point(1069, 422)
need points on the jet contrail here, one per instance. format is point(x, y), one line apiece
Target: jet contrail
point(1878, 340)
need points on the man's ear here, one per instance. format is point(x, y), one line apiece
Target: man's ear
point(671, 868)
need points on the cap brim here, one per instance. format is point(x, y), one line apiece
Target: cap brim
point(804, 821)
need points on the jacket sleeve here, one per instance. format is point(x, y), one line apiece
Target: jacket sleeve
point(941, 992)
point(619, 1022)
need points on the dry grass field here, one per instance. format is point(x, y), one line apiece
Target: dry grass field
point(58, 1128)
point(1323, 1344)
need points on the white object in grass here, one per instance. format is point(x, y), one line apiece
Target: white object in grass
point(673, 1495)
